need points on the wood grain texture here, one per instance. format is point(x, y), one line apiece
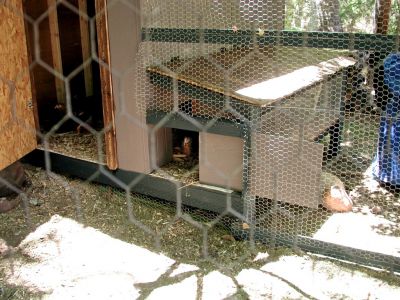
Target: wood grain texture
point(17, 125)
point(29, 45)
point(106, 83)
point(56, 49)
point(85, 42)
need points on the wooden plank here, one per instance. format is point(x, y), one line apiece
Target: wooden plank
point(134, 145)
point(86, 50)
point(106, 83)
point(17, 124)
point(221, 127)
point(56, 50)
point(221, 160)
point(273, 75)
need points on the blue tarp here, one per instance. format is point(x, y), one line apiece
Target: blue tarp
point(386, 164)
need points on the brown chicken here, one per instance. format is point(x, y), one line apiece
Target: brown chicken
point(335, 197)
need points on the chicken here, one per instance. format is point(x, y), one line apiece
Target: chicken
point(187, 146)
point(335, 197)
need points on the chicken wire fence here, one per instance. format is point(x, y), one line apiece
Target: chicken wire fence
point(301, 126)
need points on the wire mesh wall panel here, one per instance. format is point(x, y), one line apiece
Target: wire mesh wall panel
point(261, 121)
point(300, 100)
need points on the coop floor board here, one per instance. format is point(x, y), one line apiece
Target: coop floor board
point(186, 172)
point(83, 146)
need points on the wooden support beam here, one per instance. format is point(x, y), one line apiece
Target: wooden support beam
point(56, 50)
point(85, 42)
point(103, 49)
point(382, 15)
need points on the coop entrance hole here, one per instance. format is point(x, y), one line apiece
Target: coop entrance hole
point(183, 163)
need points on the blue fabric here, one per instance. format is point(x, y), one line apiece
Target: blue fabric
point(386, 164)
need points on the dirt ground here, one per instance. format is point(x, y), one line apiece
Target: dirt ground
point(152, 223)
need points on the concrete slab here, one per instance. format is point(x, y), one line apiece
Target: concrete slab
point(217, 286)
point(259, 285)
point(326, 280)
point(65, 254)
point(343, 228)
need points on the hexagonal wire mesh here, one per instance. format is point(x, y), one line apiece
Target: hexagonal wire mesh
point(297, 130)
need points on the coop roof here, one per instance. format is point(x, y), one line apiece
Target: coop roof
point(260, 77)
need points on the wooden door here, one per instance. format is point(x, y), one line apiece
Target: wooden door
point(17, 124)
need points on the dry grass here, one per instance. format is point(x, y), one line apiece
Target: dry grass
point(186, 171)
point(78, 145)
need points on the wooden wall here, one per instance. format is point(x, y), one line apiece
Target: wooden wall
point(17, 126)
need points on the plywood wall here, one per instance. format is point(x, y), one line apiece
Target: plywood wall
point(17, 126)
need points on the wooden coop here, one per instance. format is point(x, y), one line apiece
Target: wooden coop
point(126, 74)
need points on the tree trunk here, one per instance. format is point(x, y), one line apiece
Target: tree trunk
point(381, 16)
point(328, 14)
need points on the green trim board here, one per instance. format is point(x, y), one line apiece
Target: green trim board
point(196, 195)
point(333, 40)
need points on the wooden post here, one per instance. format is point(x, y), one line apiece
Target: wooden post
point(381, 16)
point(56, 50)
point(103, 48)
point(85, 42)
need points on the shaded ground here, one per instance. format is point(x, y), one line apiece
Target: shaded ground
point(152, 223)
